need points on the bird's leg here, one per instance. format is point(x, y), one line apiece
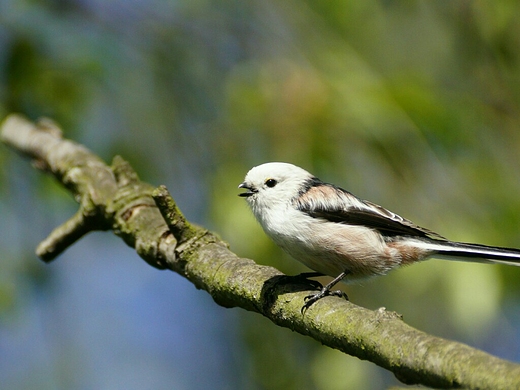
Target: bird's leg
point(325, 291)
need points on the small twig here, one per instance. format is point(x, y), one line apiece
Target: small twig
point(62, 237)
point(73, 165)
point(181, 229)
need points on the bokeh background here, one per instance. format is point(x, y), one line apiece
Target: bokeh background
point(414, 105)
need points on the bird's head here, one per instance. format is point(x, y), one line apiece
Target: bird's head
point(271, 184)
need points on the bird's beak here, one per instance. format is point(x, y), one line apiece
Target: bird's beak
point(251, 190)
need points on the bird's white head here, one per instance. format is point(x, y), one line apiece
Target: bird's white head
point(273, 184)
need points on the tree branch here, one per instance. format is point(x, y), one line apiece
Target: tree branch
point(148, 220)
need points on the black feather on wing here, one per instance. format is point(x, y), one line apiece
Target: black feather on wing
point(385, 225)
point(355, 211)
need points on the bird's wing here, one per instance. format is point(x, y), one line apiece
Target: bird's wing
point(343, 207)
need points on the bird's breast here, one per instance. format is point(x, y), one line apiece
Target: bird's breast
point(332, 248)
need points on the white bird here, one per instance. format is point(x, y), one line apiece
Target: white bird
point(338, 234)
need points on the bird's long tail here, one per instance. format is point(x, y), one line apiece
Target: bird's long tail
point(474, 252)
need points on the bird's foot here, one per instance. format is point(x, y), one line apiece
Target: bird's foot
point(324, 292)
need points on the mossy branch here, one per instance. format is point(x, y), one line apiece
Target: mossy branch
point(147, 219)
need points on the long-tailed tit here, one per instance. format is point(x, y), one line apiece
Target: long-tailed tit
point(335, 233)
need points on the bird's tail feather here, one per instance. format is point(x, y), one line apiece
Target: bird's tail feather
point(475, 252)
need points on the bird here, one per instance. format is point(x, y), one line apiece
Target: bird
point(335, 233)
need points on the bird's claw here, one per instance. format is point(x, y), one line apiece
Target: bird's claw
point(313, 298)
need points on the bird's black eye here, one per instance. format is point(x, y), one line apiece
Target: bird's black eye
point(270, 183)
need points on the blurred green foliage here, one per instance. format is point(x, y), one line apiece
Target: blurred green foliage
point(413, 105)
